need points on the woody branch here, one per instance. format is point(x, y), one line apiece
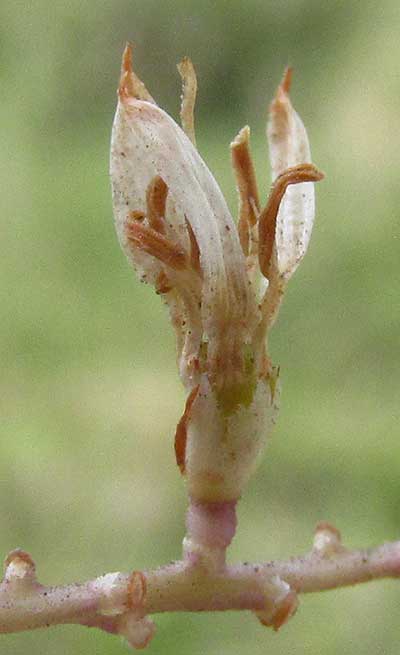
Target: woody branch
point(107, 601)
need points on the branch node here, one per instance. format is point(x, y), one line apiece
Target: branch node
point(109, 604)
point(136, 590)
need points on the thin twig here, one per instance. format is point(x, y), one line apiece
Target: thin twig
point(25, 605)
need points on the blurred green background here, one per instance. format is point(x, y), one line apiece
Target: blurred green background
point(89, 393)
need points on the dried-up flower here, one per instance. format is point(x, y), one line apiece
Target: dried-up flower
point(223, 283)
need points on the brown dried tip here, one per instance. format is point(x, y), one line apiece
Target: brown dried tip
point(155, 244)
point(130, 86)
point(287, 80)
point(126, 88)
point(181, 431)
point(137, 587)
point(280, 106)
point(126, 64)
point(267, 220)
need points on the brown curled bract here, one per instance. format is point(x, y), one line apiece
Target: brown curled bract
point(267, 221)
point(156, 244)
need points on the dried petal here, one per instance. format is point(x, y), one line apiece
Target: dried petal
point(289, 146)
point(147, 143)
point(155, 145)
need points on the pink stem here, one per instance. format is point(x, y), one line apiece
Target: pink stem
point(212, 525)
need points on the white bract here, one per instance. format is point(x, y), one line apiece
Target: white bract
point(174, 225)
point(289, 146)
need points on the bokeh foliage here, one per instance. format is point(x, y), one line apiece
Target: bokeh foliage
point(89, 395)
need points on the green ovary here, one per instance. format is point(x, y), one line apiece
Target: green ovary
point(232, 396)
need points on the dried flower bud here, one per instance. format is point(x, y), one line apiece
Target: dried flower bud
point(148, 145)
point(174, 225)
